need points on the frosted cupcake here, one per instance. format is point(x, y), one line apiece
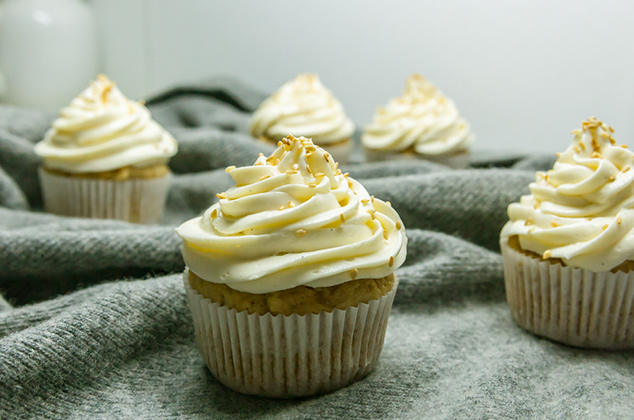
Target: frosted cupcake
point(290, 276)
point(421, 124)
point(569, 246)
point(105, 157)
point(304, 107)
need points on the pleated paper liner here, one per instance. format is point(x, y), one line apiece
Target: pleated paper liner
point(289, 356)
point(133, 200)
point(571, 305)
point(460, 160)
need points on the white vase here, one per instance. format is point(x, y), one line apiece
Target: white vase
point(48, 51)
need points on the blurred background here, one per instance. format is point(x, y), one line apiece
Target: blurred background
point(523, 73)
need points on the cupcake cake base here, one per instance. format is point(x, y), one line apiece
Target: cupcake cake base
point(570, 305)
point(131, 194)
point(284, 356)
point(459, 160)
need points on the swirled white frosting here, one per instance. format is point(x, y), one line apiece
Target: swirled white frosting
point(582, 210)
point(293, 219)
point(302, 107)
point(102, 130)
point(422, 119)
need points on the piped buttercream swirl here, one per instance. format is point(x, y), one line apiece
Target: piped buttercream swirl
point(581, 211)
point(102, 130)
point(302, 107)
point(422, 120)
point(293, 219)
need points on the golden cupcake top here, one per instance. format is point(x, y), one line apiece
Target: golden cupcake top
point(102, 130)
point(293, 218)
point(422, 120)
point(302, 107)
point(582, 209)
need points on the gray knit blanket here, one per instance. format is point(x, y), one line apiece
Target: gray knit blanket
point(94, 321)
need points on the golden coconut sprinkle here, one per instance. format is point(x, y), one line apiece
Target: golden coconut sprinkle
point(398, 225)
point(388, 204)
point(372, 198)
point(342, 218)
point(627, 168)
point(547, 254)
point(612, 178)
point(554, 224)
point(529, 221)
point(391, 261)
point(300, 232)
point(596, 155)
point(230, 168)
point(291, 204)
point(605, 227)
point(263, 177)
point(312, 185)
point(354, 273)
point(221, 195)
point(558, 154)
point(295, 167)
point(619, 220)
point(281, 207)
point(624, 146)
point(214, 213)
point(291, 172)
point(365, 200)
point(582, 145)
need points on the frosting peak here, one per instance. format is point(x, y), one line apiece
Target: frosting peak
point(582, 210)
point(304, 107)
point(293, 219)
point(422, 119)
point(102, 130)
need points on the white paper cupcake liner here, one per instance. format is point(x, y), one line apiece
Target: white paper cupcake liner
point(133, 200)
point(289, 356)
point(459, 160)
point(573, 306)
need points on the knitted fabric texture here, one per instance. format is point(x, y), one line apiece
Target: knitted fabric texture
point(94, 321)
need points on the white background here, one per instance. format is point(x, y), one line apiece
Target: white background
point(523, 73)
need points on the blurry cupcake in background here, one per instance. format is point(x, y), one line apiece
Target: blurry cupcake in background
point(105, 157)
point(304, 107)
point(290, 276)
point(421, 124)
point(569, 245)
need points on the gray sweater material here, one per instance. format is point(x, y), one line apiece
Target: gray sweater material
point(94, 321)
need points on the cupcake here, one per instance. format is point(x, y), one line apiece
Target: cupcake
point(105, 157)
point(421, 124)
point(304, 107)
point(290, 276)
point(569, 249)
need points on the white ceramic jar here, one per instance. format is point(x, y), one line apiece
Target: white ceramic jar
point(48, 51)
